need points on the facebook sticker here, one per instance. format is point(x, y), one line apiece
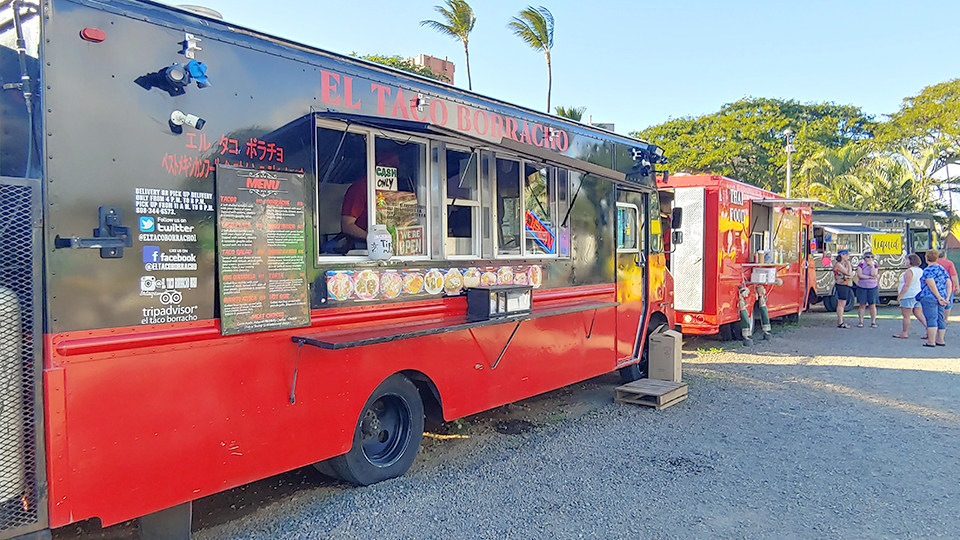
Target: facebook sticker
point(147, 223)
point(151, 254)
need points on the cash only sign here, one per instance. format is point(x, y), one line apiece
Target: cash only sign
point(261, 250)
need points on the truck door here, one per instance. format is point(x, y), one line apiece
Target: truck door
point(631, 271)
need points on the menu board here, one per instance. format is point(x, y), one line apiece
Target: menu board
point(786, 238)
point(260, 243)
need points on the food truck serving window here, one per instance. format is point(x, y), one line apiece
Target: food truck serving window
point(920, 240)
point(856, 238)
point(437, 198)
point(400, 194)
point(462, 201)
point(786, 238)
point(528, 204)
point(341, 192)
point(363, 180)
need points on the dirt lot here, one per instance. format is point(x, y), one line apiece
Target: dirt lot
point(818, 432)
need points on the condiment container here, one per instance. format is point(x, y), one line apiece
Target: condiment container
point(379, 243)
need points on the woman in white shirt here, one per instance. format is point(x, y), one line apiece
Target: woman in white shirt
point(906, 295)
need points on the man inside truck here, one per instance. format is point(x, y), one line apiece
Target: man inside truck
point(353, 213)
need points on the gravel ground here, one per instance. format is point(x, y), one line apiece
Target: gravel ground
point(816, 433)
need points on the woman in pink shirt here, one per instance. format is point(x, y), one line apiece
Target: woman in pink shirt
point(868, 288)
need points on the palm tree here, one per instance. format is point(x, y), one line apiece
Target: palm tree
point(573, 113)
point(832, 175)
point(535, 27)
point(459, 20)
point(860, 177)
point(914, 187)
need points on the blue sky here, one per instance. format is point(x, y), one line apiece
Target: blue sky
point(640, 63)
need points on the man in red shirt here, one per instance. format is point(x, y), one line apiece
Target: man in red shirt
point(353, 213)
point(951, 269)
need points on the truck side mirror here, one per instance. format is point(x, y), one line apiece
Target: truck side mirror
point(676, 237)
point(676, 218)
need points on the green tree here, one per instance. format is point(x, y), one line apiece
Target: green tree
point(573, 113)
point(927, 119)
point(745, 140)
point(457, 22)
point(535, 27)
point(397, 62)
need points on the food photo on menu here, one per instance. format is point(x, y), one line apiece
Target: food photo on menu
point(369, 284)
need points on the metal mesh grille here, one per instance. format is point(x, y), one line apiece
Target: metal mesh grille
point(19, 472)
point(688, 257)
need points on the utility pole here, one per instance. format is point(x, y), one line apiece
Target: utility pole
point(946, 171)
point(789, 150)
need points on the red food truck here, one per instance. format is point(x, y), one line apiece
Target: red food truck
point(187, 305)
point(745, 256)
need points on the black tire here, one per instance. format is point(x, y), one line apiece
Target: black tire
point(636, 371)
point(729, 331)
point(387, 436)
point(326, 468)
point(830, 303)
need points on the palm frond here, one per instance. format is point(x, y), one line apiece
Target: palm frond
point(458, 18)
point(535, 27)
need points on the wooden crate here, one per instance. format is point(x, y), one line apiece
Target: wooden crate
point(652, 393)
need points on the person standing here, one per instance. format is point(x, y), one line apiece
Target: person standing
point(934, 291)
point(906, 295)
point(951, 269)
point(843, 277)
point(867, 289)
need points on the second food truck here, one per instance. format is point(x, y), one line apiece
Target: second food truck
point(745, 255)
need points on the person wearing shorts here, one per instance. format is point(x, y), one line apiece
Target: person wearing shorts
point(935, 288)
point(906, 295)
point(843, 276)
point(867, 289)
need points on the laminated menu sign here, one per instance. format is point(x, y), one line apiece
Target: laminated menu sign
point(261, 250)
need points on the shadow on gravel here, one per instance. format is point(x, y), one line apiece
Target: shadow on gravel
point(817, 336)
point(222, 507)
point(926, 394)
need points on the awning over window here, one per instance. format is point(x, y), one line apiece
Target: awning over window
point(556, 158)
point(525, 150)
point(851, 229)
point(790, 203)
